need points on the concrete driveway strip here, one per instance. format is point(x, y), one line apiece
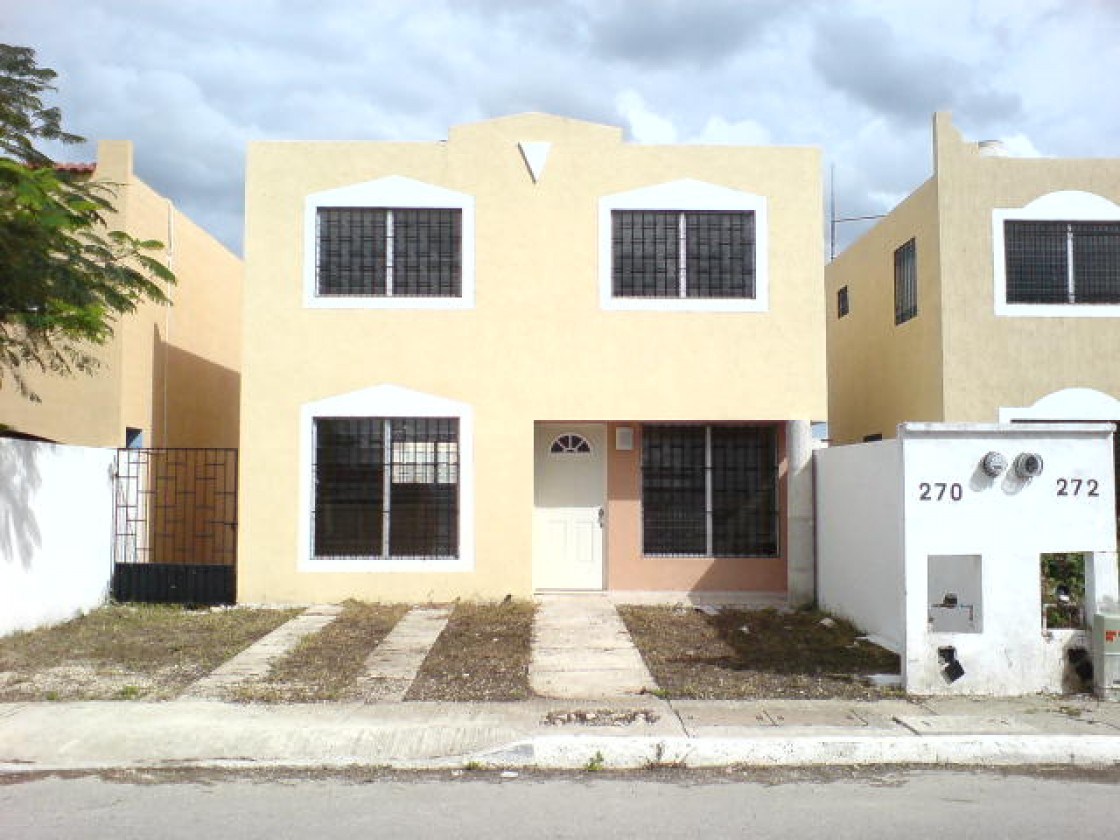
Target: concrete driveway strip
point(255, 660)
point(392, 667)
point(581, 649)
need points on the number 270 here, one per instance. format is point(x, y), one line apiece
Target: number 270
point(939, 491)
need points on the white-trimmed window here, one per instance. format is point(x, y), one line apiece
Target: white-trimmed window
point(1058, 256)
point(684, 246)
point(386, 487)
point(387, 483)
point(394, 243)
point(388, 252)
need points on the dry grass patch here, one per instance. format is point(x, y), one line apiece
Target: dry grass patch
point(748, 654)
point(325, 665)
point(482, 655)
point(128, 651)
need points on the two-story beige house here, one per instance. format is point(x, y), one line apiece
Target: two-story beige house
point(992, 293)
point(530, 357)
point(170, 375)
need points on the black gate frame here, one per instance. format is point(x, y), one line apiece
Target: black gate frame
point(175, 526)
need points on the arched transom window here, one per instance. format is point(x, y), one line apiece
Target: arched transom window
point(570, 444)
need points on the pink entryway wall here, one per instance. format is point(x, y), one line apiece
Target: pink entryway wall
point(628, 569)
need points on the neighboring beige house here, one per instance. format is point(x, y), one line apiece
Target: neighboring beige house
point(170, 375)
point(992, 293)
point(532, 357)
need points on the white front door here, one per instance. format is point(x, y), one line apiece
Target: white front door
point(569, 506)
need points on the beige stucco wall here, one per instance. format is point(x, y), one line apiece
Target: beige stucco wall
point(536, 346)
point(182, 390)
point(879, 373)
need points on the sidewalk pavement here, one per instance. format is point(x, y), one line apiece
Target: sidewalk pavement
point(617, 733)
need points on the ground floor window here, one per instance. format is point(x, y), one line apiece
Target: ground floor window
point(710, 491)
point(386, 487)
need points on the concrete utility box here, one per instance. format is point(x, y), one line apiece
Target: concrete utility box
point(1106, 655)
point(935, 544)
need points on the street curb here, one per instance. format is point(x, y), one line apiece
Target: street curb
point(579, 752)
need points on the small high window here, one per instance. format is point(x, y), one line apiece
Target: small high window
point(905, 282)
point(842, 306)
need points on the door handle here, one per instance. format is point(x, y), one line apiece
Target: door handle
point(602, 517)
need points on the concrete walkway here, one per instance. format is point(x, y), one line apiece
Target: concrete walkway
point(392, 667)
point(254, 662)
point(581, 649)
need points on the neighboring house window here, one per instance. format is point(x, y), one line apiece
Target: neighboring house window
point(386, 488)
point(393, 243)
point(684, 246)
point(842, 306)
point(387, 252)
point(710, 491)
point(1062, 262)
point(670, 254)
point(905, 283)
point(1057, 257)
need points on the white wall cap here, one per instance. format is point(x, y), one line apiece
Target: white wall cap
point(915, 430)
point(1067, 404)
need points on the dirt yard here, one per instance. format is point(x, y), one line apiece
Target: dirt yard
point(129, 652)
point(737, 654)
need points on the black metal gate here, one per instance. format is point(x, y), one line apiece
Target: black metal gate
point(175, 526)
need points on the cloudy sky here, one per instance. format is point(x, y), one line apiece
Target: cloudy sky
point(192, 81)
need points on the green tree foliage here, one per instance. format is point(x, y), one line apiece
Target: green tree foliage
point(65, 277)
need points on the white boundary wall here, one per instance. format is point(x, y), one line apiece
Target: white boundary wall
point(859, 537)
point(901, 518)
point(56, 514)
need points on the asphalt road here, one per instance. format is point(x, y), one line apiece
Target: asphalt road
point(835, 805)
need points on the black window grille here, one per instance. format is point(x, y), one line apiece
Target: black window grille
point(710, 491)
point(842, 305)
point(380, 252)
point(905, 282)
point(672, 254)
point(386, 487)
point(1062, 262)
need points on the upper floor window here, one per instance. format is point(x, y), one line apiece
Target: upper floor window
point(905, 282)
point(672, 254)
point(684, 246)
point(843, 306)
point(387, 252)
point(1058, 256)
point(394, 243)
point(1062, 262)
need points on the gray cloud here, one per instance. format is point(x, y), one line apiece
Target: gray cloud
point(664, 33)
point(190, 82)
point(866, 60)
